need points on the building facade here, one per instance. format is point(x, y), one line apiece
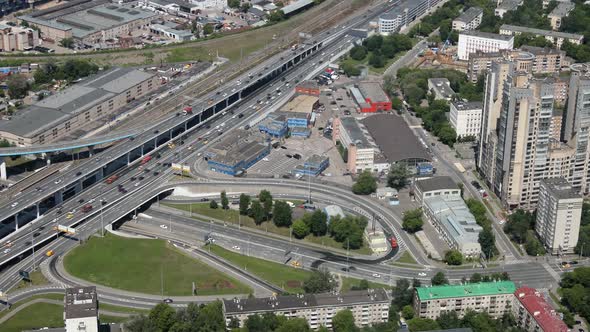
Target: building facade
point(401, 16)
point(367, 306)
point(473, 41)
point(555, 37)
point(495, 298)
point(533, 313)
point(468, 20)
point(438, 186)
point(558, 13)
point(17, 38)
point(81, 309)
point(310, 88)
point(559, 212)
point(465, 117)
point(370, 97)
point(360, 151)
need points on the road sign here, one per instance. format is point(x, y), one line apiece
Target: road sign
point(24, 274)
point(66, 229)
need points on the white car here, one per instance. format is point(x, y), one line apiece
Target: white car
point(376, 275)
point(235, 248)
point(57, 181)
point(502, 221)
point(137, 184)
point(163, 226)
point(6, 251)
point(14, 204)
point(91, 201)
point(422, 274)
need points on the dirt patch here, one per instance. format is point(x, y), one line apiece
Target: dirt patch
point(294, 283)
point(218, 284)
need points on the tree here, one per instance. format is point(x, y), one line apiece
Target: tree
point(454, 257)
point(245, 7)
point(439, 279)
point(319, 223)
point(408, 312)
point(18, 86)
point(162, 315)
point(294, 324)
point(476, 277)
point(343, 321)
point(374, 42)
point(300, 229)
point(276, 16)
point(365, 184)
point(282, 215)
point(233, 3)
point(398, 176)
point(412, 221)
point(320, 281)
point(257, 212)
point(350, 69)
point(208, 29)
point(422, 324)
point(67, 42)
point(244, 204)
point(224, 200)
point(449, 320)
point(518, 225)
point(213, 204)
point(140, 323)
point(358, 53)
point(533, 246)
point(402, 293)
point(376, 60)
point(266, 199)
point(348, 230)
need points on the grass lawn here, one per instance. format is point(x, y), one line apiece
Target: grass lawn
point(37, 315)
point(136, 265)
point(289, 278)
point(189, 54)
point(348, 283)
point(407, 258)
point(37, 278)
point(126, 310)
point(233, 216)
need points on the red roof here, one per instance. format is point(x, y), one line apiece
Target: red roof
point(545, 315)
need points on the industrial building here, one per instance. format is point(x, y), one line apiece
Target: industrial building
point(370, 97)
point(89, 22)
point(170, 32)
point(495, 298)
point(559, 212)
point(66, 113)
point(465, 118)
point(455, 223)
point(17, 38)
point(441, 88)
point(313, 166)
point(533, 313)
point(177, 7)
point(555, 37)
point(274, 125)
point(301, 104)
point(81, 309)
point(473, 41)
point(310, 88)
point(368, 307)
point(442, 186)
point(400, 17)
point(236, 152)
point(468, 20)
point(359, 149)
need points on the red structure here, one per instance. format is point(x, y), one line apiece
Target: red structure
point(371, 98)
point(533, 313)
point(310, 88)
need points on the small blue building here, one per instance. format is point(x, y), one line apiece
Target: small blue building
point(313, 166)
point(236, 153)
point(274, 125)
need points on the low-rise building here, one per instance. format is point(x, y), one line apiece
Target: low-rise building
point(169, 32)
point(465, 117)
point(443, 186)
point(66, 113)
point(176, 7)
point(495, 298)
point(14, 38)
point(310, 88)
point(386, 192)
point(368, 307)
point(555, 37)
point(236, 152)
point(376, 240)
point(562, 10)
point(81, 309)
point(402, 15)
point(359, 150)
point(533, 313)
point(473, 41)
point(559, 212)
point(313, 166)
point(274, 125)
point(507, 6)
point(468, 20)
point(370, 97)
point(304, 104)
point(441, 88)
point(455, 223)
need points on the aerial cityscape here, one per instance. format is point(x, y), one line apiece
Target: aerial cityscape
point(295, 165)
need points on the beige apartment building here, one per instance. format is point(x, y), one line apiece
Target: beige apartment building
point(360, 151)
point(555, 37)
point(17, 38)
point(559, 212)
point(66, 113)
point(495, 298)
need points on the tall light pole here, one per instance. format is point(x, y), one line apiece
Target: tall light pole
point(33, 244)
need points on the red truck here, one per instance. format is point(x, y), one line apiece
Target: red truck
point(87, 208)
point(187, 110)
point(393, 242)
point(112, 179)
point(145, 160)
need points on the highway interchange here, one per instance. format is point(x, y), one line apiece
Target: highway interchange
point(156, 181)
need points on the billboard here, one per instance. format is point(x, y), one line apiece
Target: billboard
point(180, 169)
point(66, 229)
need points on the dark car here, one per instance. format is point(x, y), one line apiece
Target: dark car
point(297, 156)
point(240, 116)
point(147, 170)
point(476, 184)
point(36, 234)
point(158, 156)
point(204, 199)
point(133, 178)
point(28, 243)
point(283, 147)
point(79, 173)
point(81, 200)
point(288, 156)
point(156, 131)
point(103, 202)
point(140, 178)
point(156, 173)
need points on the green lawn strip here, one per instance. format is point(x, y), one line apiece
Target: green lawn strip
point(37, 315)
point(37, 279)
point(348, 283)
point(406, 258)
point(233, 216)
point(287, 277)
point(124, 310)
point(104, 319)
point(137, 265)
point(59, 297)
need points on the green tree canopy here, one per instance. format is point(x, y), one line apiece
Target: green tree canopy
point(244, 203)
point(224, 200)
point(454, 257)
point(398, 176)
point(365, 184)
point(320, 281)
point(343, 321)
point(300, 229)
point(439, 279)
point(282, 215)
point(412, 221)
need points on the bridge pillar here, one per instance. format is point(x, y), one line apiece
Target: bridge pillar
point(16, 222)
point(3, 168)
point(129, 156)
point(38, 211)
point(90, 150)
point(171, 134)
point(186, 126)
point(59, 198)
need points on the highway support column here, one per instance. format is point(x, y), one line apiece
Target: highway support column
point(3, 168)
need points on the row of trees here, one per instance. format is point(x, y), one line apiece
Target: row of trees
point(575, 291)
point(365, 184)
point(347, 230)
point(70, 70)
point(377, 49)
point(196, 318)
point(487, 239)
point(520, 228)
point(583, 246)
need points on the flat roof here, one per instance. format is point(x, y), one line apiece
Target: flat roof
point(164, 28)
point(315, 159)
point(541, 311)
point(454, 216)
point(561, 189)
point(470, 14)
point(443, 85)
point(294, 6)
point(436, 183)
point(551, 33)
point(467, 290)
point(562, 9)
point(238, 145)
point(373, 91)
point(87, 17)
point(301, 104)
point(467, 106)
point(81, 302)
point(355, 132)
point(487, 35)
point(252, 305)
point(394, 138)
point(541, 50)
point(77, 98)
point(509, 4)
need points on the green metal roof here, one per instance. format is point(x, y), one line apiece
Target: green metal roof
point(467, 290)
